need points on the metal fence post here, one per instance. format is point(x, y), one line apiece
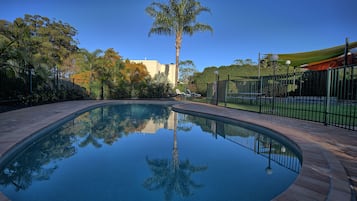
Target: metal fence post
point(261, 94)
point(227, 90)
point(328, 91)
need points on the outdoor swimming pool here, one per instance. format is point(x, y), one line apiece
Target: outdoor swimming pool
point(148, 152)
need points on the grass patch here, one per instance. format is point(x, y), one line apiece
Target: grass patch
point(340, 113)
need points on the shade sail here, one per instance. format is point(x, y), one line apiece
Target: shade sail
point(301, 58)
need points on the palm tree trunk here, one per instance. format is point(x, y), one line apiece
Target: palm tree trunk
point(178, 49)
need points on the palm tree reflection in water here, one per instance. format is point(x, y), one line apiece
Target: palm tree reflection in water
point(173, 176)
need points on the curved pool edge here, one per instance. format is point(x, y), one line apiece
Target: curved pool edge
point(322, 176)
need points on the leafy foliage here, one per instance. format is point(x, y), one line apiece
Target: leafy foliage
point(187, 69)
point(32, 53)
point(40, 62)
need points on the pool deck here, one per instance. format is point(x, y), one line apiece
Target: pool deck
point(329, 169)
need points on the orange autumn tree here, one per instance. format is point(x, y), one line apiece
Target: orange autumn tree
point(113, 63)
point(99, 73)
point(135, 72)
point(136, 75)
point(82, 79)
point(106, 76)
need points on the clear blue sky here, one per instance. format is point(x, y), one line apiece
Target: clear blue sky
point(242, 28)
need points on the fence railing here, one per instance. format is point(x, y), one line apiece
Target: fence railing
point(23, 87)
point(329, 96)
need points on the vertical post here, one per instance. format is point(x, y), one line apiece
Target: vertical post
point(217, 85)
point(294, 80)
point(328, 91)
point(287, 62)
point(345, 63)
point(261, 94)
point(227, 91)
point(273, 94)
point(274, 59)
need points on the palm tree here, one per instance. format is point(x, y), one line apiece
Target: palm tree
point(172, 176)
point(90, 61)
point(178, 17)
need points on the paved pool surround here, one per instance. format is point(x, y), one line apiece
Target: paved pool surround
point(329, 168)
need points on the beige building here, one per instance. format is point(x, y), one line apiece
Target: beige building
point(151, 127)
point(154, 67)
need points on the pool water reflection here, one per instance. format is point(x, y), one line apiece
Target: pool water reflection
point(148, 152)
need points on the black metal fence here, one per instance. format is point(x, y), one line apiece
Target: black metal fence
point(329, 96)
point(24, 87)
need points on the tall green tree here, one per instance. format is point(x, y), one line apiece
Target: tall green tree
point(187, 69)
point(19, 53)
point(34, 45)
point(51, 41)
point(177, 17)
point(107, 71)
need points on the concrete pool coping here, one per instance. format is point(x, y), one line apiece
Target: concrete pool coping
point(329, 153)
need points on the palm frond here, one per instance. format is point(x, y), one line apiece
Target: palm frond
point(197, 27)
point(160, 31)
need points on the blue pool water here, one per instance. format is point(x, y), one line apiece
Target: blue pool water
point(149, 153)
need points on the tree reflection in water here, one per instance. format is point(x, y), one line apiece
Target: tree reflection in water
point(34, 163)
point(95, 127)
point(173, 176)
